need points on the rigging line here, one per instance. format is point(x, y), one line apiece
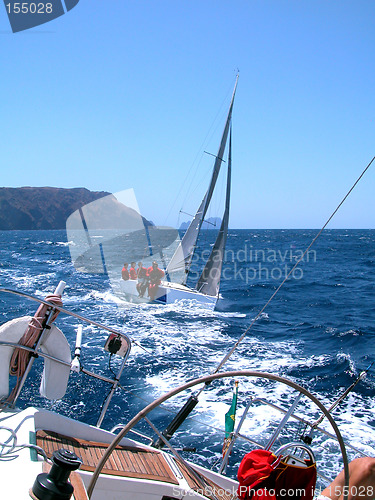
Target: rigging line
point(204, 220)
point(196, 162)
point(169, 410)
point(228, 355)
point(215, 156)
point(360, 377)
point(183, 187)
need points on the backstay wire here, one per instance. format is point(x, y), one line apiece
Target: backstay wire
point(229, 354)
point(215, 123)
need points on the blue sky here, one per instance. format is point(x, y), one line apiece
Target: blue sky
point(121, 94)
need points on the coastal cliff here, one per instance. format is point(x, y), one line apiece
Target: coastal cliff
point(41, 207)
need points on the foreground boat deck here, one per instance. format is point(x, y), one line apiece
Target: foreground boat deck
point(130, 462)
point(124, 461)
point(134, 471)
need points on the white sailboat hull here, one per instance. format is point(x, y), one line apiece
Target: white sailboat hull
point(167, 293)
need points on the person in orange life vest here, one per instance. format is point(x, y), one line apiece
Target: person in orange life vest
point(142, 279)
point(132, 271)
point(154, 275)
point(125, 272)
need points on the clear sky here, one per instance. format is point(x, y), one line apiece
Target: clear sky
point(120, 94)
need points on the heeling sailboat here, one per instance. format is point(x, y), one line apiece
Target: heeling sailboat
point(206, 290)
point(110, 231)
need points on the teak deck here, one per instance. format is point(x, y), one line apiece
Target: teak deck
point(127, 462)
point(124, 461)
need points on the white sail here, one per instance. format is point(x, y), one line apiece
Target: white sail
point(183, 255)
point(209, 281)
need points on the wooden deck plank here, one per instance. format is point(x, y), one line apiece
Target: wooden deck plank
point(148, 465)
point(157, 465)
point(123, 461)
point(93, 456)
point(129, 465)
point(139, 463)
point(116, 458)
point(126, 461)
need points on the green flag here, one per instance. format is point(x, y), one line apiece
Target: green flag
point(230, 416)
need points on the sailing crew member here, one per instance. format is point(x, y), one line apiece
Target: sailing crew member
point(132, 271)
point(142, 279)
point(154, 275)
point(125, 272)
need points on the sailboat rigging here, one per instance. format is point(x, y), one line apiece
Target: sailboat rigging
point(183, 255)
point(108, 232)
point(207, 287)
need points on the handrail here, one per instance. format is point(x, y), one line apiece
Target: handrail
point(57, 360)
point(66, 311)
point(36, 351)
point(33, 351)
point(301, 420)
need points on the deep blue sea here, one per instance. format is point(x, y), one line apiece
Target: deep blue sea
point(319, 331)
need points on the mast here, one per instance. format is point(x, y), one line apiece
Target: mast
point(183, 255)
point(209, 281)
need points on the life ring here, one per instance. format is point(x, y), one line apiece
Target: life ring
point(55, 375)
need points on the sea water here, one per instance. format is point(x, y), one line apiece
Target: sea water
point(318, 331)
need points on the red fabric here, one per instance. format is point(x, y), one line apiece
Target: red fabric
point(125, 274)
point(264, 476)
point(155, 275)
point(254, 469)
point(132, 273)
point(299, 482)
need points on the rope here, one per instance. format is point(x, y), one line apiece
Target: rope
point(20, 357)
point(7, 450)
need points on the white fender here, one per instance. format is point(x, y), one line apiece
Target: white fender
point(55, 375)
point(11, 331)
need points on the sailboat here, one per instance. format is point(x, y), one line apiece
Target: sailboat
point(111, 230)
point(207, 288)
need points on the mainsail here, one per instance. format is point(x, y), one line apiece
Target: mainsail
point(209, 281)
point(183, 255)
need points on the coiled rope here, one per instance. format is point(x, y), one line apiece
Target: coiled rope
point(9, 447)
point(20, 357)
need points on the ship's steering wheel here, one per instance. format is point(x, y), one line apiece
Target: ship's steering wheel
point(207, 380)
